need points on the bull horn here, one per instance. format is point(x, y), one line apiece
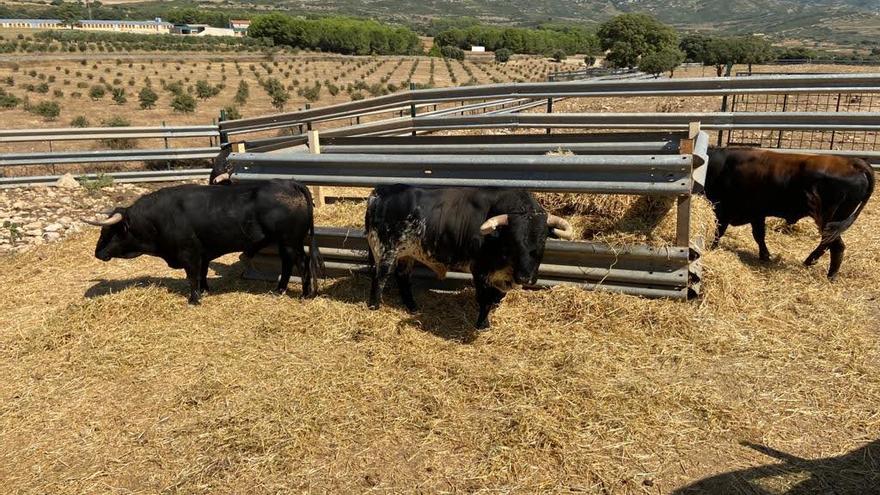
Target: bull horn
point(112, 220)
point(493, 223)
point(561, 228)
point(222, 177)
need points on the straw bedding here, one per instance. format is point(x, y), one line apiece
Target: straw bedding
point(113, 384)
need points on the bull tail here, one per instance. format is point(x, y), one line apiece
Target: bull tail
point(316, 261)
point(833, 230)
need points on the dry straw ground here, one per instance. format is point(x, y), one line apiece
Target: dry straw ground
point(112, 384)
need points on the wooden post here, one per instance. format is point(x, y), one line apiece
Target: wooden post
point(315, 149)
point(683, 203)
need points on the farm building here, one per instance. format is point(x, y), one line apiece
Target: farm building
point(31, 24)
point(240, 26)
point(201, 30)
point(156, 26)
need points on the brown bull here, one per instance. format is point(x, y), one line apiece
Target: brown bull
point(747, 185)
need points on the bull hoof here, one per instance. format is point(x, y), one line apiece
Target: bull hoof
point(482, 326)
point(810, 262)
point(373, 306)
point(765, 257)
point(279, 292)
point(413, 309)
point(194, 301)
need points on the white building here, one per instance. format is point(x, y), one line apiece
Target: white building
point(31, 24)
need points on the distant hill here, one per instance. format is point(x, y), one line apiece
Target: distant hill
point(851, 22)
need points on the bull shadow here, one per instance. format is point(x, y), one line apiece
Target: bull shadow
point(854, 473)
point(448, 314)
point(226, 278)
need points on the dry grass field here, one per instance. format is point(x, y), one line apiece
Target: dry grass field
point(768, 384)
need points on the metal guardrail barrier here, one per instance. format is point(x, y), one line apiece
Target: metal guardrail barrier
point(646, 271)
point(93, 133)
point(123, 177)
point(673, 171)
point(106, 156)
point(653, 87)
point(708, 121)
point(667, 175)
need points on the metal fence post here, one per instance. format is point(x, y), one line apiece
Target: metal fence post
point(412, 106)
point(549, 110)
point(309, 123)
point(224, 136)
point(315, 149)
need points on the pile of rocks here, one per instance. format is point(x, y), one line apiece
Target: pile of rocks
point(34, 216)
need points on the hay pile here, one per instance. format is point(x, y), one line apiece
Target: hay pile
point(112, 384)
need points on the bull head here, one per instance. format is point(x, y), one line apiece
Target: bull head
point(116, 240)
point(558, 226)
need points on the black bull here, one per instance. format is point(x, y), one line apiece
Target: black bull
point(189, 226)
point(496, 234)
point(747, 185)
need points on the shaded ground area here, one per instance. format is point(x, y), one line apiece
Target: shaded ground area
point(769, 384)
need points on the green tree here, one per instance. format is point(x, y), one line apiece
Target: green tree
point(754, 50)
point(559, 55)
point(119, 96)
point(69, 13)
point(242, 93)
point(79, 121)
point(147, 98)
point(204, 90)
point(503, 55)
point(662, 60)
point(452, 52)
point(628, 37)
point(277, 92)
point(97, 92)
point(694, 46)
point(183, 103)
point(49, 110)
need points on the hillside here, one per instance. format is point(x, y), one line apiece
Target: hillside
point(850, 22)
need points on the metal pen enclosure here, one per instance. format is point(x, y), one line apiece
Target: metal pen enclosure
point(673, 166)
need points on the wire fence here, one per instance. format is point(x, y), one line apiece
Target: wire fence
point(841, 102)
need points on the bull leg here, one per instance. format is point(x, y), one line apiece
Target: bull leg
point(404, 285)
point(305, 274)
point(286, 254)
point(837, 247)
point(193, 276)
point(381, 271)
point(816, 254)
point(203, 276)
point(719, 232)
point(759, 232)
point(487, 297)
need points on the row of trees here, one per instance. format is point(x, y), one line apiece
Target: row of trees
point(71, 12)
point(336, 34)
point(544, 40)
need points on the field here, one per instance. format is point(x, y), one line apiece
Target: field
point(768, 384)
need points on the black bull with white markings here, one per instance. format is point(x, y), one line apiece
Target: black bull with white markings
point(189, 226)
point(498, 235)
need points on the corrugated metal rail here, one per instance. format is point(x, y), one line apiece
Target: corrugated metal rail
point(822, 83)
point(670, 272)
